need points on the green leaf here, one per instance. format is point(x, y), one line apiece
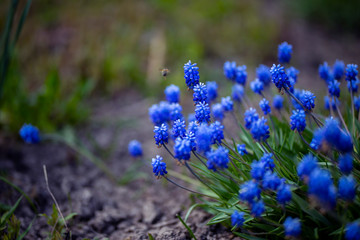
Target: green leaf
point(186, 226)
point(8, 214)
point(218, 218)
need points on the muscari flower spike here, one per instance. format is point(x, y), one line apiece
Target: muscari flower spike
point(175, 111)
point(307, 166)
point(336, 137)
point(172, 93)
point(351, 72)
point(212, 91)
point(191, 137)
point(284, 194)
point(321, 186)
point(307, 98)
point(182, 148)
point(135, 148)
point(284, 52)
point(203, 138)
point(191, 74)
point(298, 120)
point(292, 227)
point(29, 133)
point(200, 93)
point(317, 139)
point(263, 74)
point(338, 69)
point(217, 159)
point(346, 163)
point(334, 88)
point(230, 70)
point(325, 72)
point(278, 102)
point(259, 130)
point(257, 86)
point(192, 127)
point(249, 191)
point(279, 77)
point(297, 93)
point(217, 133)
point(352, 231)
point(178, 129)
point(217, 111)
point(161, 134)
point(237, 219)
point(257, 171)
point(257, 208)
point(202, 112)
point(347, 188)
point(250, 116)
point(268, 161)
point(265, 107)
point(159, 113)
point(237, 92)
point(241, 75)
point(353, 85)
point(159, 167)
point(292, 73)
point(227, 104)
point(241, 149)
point(271, 181)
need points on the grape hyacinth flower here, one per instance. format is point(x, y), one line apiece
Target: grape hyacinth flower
point(211, 91)
point(182, 148)
point(357, 103)
point(318, 138)
point(284, 52)
point(271, 181)
point(237, 92)
point(191, 137)
point(307, 166)
point(278, 102)
point(218, 159)
point(192, 127)
point(353, 85)
point(217, 132)
point(227, 104)
point(297, 93)
point(298, 120)
point(257, 171)
point(279, 77)
point(161, 134)
point(338, 69)
point(292, 73)
point(241, 149)
point(265, 107)
point(334, 88)
point(321, 186)
point(230, 70)
point(178, 129)
point(336, 137)
point(217, 111)
point(202, 112)
point(29, 133)
point(257, 86)
point(284, 194)
point(200, 93)
point(268, 161)
point(249, 191)
point(352, 231)
point(135, 148)
point(237, 219)
point(346, 163)
point(191, 74)
point(292, 227)
point(325, 72)
point(250, 116)
point(241, 75)
point(307, 98)
point(203, 138)
point(351, 72)
point(175, 111)
point(159, 113)
point(172, 93)
point(263, 74)
point(259, 130)
point(347, 188)
point(257, 208)
point(159, 167)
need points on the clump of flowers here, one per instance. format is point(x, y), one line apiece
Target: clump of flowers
point(279, 168)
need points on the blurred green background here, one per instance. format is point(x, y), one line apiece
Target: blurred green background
point(71, 52)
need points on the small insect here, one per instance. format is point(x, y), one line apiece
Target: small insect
point(165, 72)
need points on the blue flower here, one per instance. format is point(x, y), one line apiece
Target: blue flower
point(200, 93)
point(175, 111)
point(202, 112)
point(278, 102)
point(297, 93)
point(250, 116)
point(191, 74)
point(237, 219)
point(192, 127)
point(227, 104)
point(241, 149)
point(284, 52)
point(203, 138)
point(284, 194)
point(334, 88)
point(257, 86)
point(212, 90)
point(268, 161)
point(334, 102)
point(336, 137)
point(292, 227)
point(29, 133)
point(217, 133)
point(307, 98)
point(346, 163)
point(161, 134)
point(325, 72)
point(182, 148)
point(159, 167)
point(318, 138)
point(217, 111)
point(241, 75)
point(357, 103)
point(172, 93)
point(249, 191)
point(338, 69)
point(217, 159)
point(159, 113)
point(191, 137)
point(298, 120)
point(257, 171)
point(279, 77)
point(353, 85)
point(259, 130)
point(351, 72)
point(135, 148)
point(230, 70)
point(321, 186)
point(347, 188)
point(178, 128)
point(271, 181)
point(237, 92)
point(307, 166)
point(257, 208)
point(263, 74)
point(292, 73)
point(265, 107)
point(352, 231)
